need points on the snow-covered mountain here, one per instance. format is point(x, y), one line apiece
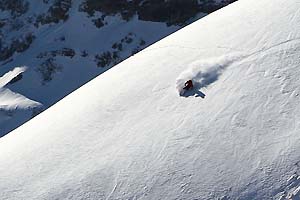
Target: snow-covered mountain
point(128, 134)
point(66, 43)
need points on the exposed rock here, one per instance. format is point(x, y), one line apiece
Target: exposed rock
point(126, 8)
point(66, 52)
point(173, 12)
point(47, 69)
point(57, 12)
point(104, 59)
point(15, 7)
point(17, 45)
point(2, 23)
point(84, 53)
point(16, 79)
point(98, 22)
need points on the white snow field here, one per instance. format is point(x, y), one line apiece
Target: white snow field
point(128, 134)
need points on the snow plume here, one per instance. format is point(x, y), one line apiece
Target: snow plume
point(204, 73)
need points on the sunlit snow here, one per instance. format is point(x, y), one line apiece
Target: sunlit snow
point(203, 73)
point(128, 134)
point(10, 100)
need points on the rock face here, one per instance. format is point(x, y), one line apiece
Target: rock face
point(57, 11)
point(15, 7)
point(172, 12)
point(66, 43)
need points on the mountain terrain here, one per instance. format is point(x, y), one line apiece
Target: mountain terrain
point(66, 43)
point(130, 133)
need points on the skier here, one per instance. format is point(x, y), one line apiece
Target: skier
point(188, 85)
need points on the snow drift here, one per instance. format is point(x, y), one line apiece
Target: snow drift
point(127, 134)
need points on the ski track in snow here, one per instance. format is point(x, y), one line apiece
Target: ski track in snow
point(203, 73)
point(142, 141)
point(232, 49)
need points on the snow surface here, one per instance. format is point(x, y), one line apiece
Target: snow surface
point(11, 102)
point(80, 35)
point(127, 134)
point(203, 73)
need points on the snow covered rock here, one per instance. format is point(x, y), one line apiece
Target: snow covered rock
point(14, 105)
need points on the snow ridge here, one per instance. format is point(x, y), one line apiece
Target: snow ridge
point(6, 78)
point(10, 100)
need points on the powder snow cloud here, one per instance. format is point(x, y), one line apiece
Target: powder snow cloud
point(204, 72)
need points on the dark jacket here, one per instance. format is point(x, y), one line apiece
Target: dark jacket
point(188, 85)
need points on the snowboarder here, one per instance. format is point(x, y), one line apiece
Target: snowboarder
point(188, 85)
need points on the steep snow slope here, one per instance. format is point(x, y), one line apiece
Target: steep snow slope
point(66, 43)
point(129, 135)
point(63, 56)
